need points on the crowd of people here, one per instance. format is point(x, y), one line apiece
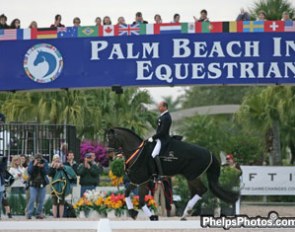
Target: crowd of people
point(243, 16)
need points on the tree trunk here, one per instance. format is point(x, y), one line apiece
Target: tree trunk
point(292, 148)
point(276, 151)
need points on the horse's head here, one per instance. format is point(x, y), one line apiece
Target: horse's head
point(113, 140)
point(40, 58)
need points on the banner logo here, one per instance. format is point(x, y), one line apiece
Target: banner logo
point(43, 63)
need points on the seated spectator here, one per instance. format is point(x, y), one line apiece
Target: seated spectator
point(33, 24)
point(261, 16)
point(176, 18)
point(107, 20)
point(17, 170)
point(157, 19)
point(15, 24)
point(121, 21)
point(286, 16)
point(243, 16)
point(98, 21)
point(3, 22)
point(76, 22)
point(57, 22)
point(38, 170)
point(139, 19)
point(203, 16)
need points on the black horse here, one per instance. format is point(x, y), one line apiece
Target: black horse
point(178, 157)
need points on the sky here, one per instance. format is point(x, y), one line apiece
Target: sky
point(44, 11)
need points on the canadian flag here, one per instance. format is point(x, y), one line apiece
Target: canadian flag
point(109, 30)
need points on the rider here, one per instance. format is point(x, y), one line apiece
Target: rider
point(162, 134)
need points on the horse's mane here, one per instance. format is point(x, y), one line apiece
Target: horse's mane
point(130, 131)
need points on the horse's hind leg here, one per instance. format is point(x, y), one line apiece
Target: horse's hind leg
point(131, 211)
point(197, 190)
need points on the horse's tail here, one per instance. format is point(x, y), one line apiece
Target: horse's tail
point(213, 174)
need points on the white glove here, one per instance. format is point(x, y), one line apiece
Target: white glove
point(150, 139)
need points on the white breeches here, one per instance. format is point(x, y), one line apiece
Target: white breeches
point(157, 148)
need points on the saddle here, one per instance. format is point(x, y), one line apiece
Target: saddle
point(165, 147)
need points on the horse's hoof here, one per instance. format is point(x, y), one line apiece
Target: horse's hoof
point(154, 218)
point(133, 213)
point(183, 219)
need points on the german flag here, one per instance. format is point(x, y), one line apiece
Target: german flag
point(44, 33)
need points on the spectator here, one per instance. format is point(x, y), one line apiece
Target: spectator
point(57, 22)
point(3, 166)
point(98, 21)
point(157, 19)
point(76, 22)
point(33, 24)
point(230, 162)
point(139, 19)
point(107, 20)
point(57, 201)
point(261, 16)
point(286, 16)
point(38, 170)
point(3, 22)
point(203, 16)
point(71, 161)
point(121, 21)
point(17, 170)
point(15, 24)
point(243, 16)
point(176, 18)
point(25, 160)
point(6, 205)
point(89, 174)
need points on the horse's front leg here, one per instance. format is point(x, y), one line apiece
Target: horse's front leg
point(142, 192)
point(131, 211)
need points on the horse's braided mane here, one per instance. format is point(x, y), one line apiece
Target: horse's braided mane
point(130, 131)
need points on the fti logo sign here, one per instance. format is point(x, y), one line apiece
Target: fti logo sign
point(43, 63)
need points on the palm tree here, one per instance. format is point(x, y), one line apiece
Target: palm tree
point(273, 8)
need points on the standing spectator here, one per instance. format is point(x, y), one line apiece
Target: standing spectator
point(89, 174)
point(203, 16)
point(5, 204)
point(158, 19)
point(17, 170)
point(15, 24)
point(230, 162)
point(97, 21)
point(107, 20)
point(243, 16)
point(261, 16)
point(286, 16)
point(25, 160)
point(121, 21)
point(76, 22)
point(71, 161)
point(57, 202)
point(3, 22)
point(176, 18)
point(57, 22)
point(38, 170)
point(33, 24)
point(3, 166)
point(139, 19)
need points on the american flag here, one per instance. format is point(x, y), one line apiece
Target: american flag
point(129, 29)
point(8, 34)
point(289, 26)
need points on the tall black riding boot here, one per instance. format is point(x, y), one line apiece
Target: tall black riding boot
point(159, 167)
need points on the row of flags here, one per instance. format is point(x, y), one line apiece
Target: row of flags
point(147, 29)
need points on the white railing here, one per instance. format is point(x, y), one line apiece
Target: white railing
point(103, 225)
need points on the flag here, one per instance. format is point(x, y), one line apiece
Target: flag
point(67, 32)
point(188, 28)
point(167, 28)
point(232, 26)
point(147, 29)
point(133, 29)
point(8, 34)
point(24, 34)
point(253, 26)
point(43, 33)
point(91, 31)
point(209, 27)
point(289, 26)
point(274, 26)
point(108, 30)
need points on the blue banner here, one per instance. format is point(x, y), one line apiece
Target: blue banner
point(151, 60)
